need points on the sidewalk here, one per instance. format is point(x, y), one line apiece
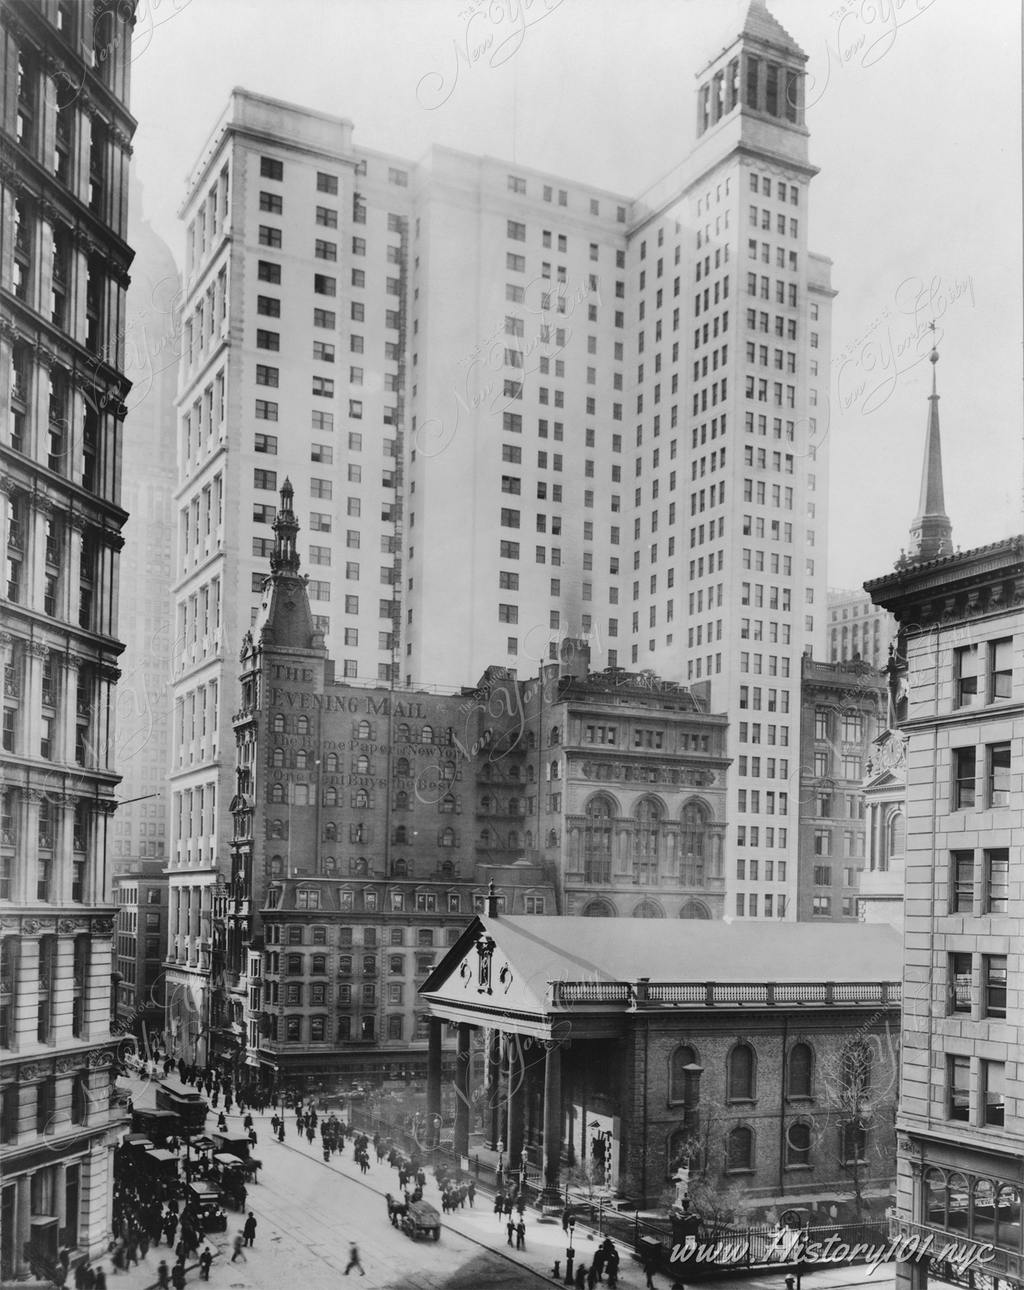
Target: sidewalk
point(545, 1240)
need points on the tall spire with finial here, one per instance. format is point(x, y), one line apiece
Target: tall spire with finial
point(285, 557)
point(931, 534)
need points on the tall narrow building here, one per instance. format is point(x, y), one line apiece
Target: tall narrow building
point(292, 363)
point(143, 748)
point(957, 691)
point(64, 263)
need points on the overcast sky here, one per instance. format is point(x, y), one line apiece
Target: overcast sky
point(914, 118)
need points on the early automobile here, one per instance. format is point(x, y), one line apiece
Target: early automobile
point(421, 1219)
point(205, 1198)
point(238, 1146)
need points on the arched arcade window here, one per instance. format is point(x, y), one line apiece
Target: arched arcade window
point(597, 839)
point(740, 1081)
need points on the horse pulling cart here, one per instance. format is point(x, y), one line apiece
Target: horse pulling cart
point(421, 1219)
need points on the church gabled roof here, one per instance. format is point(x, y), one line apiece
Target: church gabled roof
point(526, 955)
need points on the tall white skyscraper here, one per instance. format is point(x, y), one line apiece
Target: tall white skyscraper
point(513, 408)
point(626, 400)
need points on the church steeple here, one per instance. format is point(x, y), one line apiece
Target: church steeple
point(931, 534)
point(285, 558)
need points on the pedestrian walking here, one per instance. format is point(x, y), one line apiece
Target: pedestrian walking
point(649, 1274)
point(178, 1276)
point(249, 1230)
point(163, 1275)
point(510, 1227)
point(99, 1280)
point(520, 1235)
point(580, 1280)
point(205, 1259)
point(470, 1192)
point(238, 1252)
point(353, 1260)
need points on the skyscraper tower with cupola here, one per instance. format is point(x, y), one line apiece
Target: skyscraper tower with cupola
point(676, 349)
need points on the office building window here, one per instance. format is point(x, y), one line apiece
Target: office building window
point(958, 1084)
point(994, 984)
point(962, 881)
point(964, 773)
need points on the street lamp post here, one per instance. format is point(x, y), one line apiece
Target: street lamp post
point(570, 1254)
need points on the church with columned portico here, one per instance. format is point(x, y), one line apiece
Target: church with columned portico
point(762, 1055)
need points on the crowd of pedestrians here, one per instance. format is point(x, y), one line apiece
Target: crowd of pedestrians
point(150, 1212)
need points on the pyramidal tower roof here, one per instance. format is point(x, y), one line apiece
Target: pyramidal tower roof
point(931, 534)
point(285, 619)
point(761, 25)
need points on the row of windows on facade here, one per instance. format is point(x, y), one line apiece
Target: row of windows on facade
point(981, 778)
point(976, 1208)
point(317, 1030)
point(263, 513)
point(359, 799)
point(828, 804)
point(294, 995)
point(64, 271)
point(750, 835)
point(212, 214)
point(750, 732)
point(851, 1077)
point(55, 711)
point(758, 800)
point(46, 887)
point(51, 1107)
point(518, 184)
point(53, 1006)
point(322, 522)
point(59, 537)
point(319, 964)
point(369, 899)
point(772, 905)
point(402, 835)
point(42, 91)
point(979, 881)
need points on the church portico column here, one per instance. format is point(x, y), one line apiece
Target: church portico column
point(463, 1057)
point(552, 1137)
point(493, 1127)
point(516, 1101)
point(434, 1078)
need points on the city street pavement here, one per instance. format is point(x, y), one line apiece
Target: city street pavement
point(308, 1210)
